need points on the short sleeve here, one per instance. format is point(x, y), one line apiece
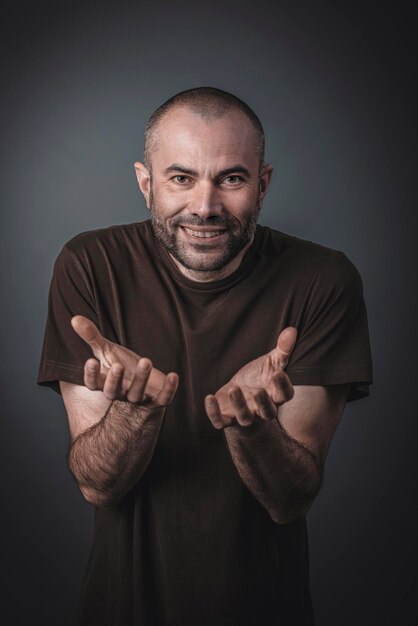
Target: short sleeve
point(64, 352)
point(333, 344)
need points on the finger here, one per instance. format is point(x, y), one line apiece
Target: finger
point(91, 374)
point(266, 408)
point(242, 413)
point(112, 388)
point(88, 332)
point(285, 344)
point(166, 395)
point(136, 390)
point(281, 389)
point(214, 413)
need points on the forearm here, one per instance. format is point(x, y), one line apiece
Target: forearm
point(280, 472)
point(108, 458)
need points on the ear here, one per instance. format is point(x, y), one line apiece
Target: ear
point(144, 180)
point(265, 178)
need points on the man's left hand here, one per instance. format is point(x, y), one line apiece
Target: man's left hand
point(257, 390)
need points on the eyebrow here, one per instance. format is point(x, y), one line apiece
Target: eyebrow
point(176, 167)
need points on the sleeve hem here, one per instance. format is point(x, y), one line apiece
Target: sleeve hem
point(51, 372)
point(359, 376)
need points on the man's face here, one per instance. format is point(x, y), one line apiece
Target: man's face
point(204, 193)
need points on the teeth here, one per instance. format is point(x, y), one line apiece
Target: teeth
point(204, 234)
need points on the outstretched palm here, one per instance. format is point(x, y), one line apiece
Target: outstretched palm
point(257, 389)
point(121, 373)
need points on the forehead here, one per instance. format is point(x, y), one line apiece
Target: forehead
point(187, 137)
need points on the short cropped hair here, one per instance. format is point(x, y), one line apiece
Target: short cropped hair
point(209, 103)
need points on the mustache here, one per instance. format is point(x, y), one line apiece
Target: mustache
point(195, 220)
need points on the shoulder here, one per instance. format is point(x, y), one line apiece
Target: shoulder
point(108, 238)
point(104, 251)
point(311, 262)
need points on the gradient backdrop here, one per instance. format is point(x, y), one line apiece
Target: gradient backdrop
point(334, 87)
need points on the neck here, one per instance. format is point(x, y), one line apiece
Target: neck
point(209, 276)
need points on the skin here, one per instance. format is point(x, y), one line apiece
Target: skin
point(206, 178)
point(197, 195)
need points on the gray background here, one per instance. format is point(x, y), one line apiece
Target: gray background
point(333, 86)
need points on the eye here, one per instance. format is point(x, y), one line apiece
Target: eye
point(233, 180)
point(179, 178)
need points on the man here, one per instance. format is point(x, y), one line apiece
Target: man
point(204, 362)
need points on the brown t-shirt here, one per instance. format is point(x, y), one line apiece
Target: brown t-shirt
point(189, 544)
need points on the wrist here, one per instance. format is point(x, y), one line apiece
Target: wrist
point(136, 412)
point(259, 432)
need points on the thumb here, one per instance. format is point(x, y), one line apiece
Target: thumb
point(285, 344)
point(88, 332)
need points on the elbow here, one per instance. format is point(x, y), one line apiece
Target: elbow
point(288, 516)
point(295, 507)
point(98, 499)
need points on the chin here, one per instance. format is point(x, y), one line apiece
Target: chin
point(199, 256)
point(199, 263)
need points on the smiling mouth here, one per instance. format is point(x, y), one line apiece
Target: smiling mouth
point(203, 234)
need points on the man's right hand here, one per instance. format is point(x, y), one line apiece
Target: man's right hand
point(120, 373)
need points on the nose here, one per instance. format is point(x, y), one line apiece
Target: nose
point(206, 200)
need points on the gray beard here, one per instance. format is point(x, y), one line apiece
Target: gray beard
point(239, 236)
